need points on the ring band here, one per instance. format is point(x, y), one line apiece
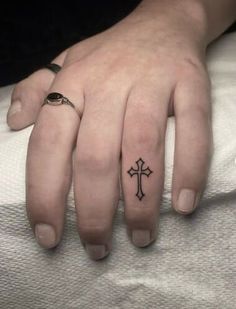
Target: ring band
point(56, 98)
point(55, 68)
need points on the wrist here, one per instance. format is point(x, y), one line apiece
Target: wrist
point(186, 18)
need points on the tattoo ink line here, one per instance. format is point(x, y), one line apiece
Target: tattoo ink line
point(139, 172)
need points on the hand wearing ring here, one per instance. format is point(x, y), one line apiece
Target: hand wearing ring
point(128, 81)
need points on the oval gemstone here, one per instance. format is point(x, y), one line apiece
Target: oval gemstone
point(54, 96)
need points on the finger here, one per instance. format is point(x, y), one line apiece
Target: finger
point(96, 180)
point(143, 162)
point(49, 163)
point(28, 95)
point(193, 143)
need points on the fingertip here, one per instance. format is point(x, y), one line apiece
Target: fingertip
point(45, 235)
point(187, 201)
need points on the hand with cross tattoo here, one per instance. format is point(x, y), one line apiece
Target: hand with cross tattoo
point(124, 84)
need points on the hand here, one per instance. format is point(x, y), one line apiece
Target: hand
point(124, 83)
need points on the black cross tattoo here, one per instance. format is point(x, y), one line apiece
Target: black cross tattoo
point(139, 172)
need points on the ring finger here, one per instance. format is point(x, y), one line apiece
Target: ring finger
point(143, 162)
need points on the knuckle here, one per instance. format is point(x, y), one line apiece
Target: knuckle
point(201, 110)
point(137, 217)
point(99, 160)
point(195, 70)
point(45, 137)
point(193, 66)
point(140, 138)
point(93, 232)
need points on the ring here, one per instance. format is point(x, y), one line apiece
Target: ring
point(55, 68)
point(56, 98)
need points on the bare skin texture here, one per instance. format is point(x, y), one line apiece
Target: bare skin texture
point(125, 82)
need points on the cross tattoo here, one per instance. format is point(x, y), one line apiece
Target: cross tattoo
point(139, 172)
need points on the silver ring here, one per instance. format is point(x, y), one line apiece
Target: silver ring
point(56, 98)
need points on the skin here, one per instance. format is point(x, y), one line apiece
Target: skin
point(124, 82)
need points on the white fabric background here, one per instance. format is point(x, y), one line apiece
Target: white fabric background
point(191, 265)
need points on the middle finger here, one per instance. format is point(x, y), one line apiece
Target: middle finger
point(96, 180)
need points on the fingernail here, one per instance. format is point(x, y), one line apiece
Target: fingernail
point(45, 235)
point(15, 108)
point(141, 238)
point(96, 252)
point(186, 200)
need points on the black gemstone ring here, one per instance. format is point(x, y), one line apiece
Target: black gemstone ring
point(56, 98)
